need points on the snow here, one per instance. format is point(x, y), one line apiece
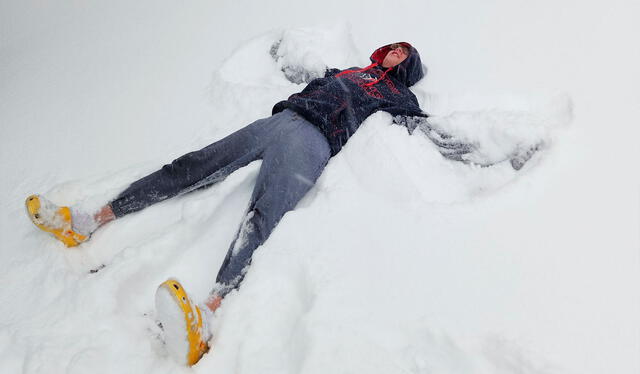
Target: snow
point(398, 260)
point(173, 325)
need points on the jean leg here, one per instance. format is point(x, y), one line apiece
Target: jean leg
point(290, 167)
point(196, 169)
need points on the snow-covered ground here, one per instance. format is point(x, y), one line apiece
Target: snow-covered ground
point(398, 260)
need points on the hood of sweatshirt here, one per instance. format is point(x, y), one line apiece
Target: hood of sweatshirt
point(409, 71)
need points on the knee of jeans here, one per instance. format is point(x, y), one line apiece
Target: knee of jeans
point(265, 215)
point(180, 165)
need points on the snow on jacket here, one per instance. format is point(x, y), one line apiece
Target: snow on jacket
point(338, 103)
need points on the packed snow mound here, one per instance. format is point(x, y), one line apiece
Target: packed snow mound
point(301, 54)
point(304, 54)
point(270, 67)
point(507, 127)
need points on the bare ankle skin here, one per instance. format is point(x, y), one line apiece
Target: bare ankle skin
point(213, 302)
point(104, 215)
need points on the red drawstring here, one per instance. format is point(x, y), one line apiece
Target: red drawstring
point(357, 71)
point(381, 77)
point(365, 69)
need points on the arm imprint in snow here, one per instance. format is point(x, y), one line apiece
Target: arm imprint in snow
point(448, 146)
point(294, 73)
point(455, 149)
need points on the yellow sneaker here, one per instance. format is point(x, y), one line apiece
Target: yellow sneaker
point(53, 219)
point(185, 331)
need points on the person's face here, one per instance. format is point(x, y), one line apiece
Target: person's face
point(396, 55)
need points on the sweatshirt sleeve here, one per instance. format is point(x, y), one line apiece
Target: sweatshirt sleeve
point(330, 72)
point(408, 108)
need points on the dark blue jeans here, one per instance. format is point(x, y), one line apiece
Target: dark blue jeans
point(293, 152)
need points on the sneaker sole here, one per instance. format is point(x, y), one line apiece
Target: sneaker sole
point(64, 234)
point(191, 323)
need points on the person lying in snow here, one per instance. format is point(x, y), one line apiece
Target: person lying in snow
point(294, 144)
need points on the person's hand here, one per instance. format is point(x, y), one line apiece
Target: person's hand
point(448, 145)
point(524, 155)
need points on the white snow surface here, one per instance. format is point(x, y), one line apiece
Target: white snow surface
point(398, 260)
point(171, 317)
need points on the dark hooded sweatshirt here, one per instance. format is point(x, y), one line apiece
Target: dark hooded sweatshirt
point(338, 103)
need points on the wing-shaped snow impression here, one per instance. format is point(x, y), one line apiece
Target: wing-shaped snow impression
point(494, 129)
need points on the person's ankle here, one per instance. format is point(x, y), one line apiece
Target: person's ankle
point(104, 215)
point(213, 302)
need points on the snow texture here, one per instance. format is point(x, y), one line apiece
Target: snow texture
point(398, 259)
point(173, 325)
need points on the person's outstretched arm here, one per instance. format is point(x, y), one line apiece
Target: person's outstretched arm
point(457, 149)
